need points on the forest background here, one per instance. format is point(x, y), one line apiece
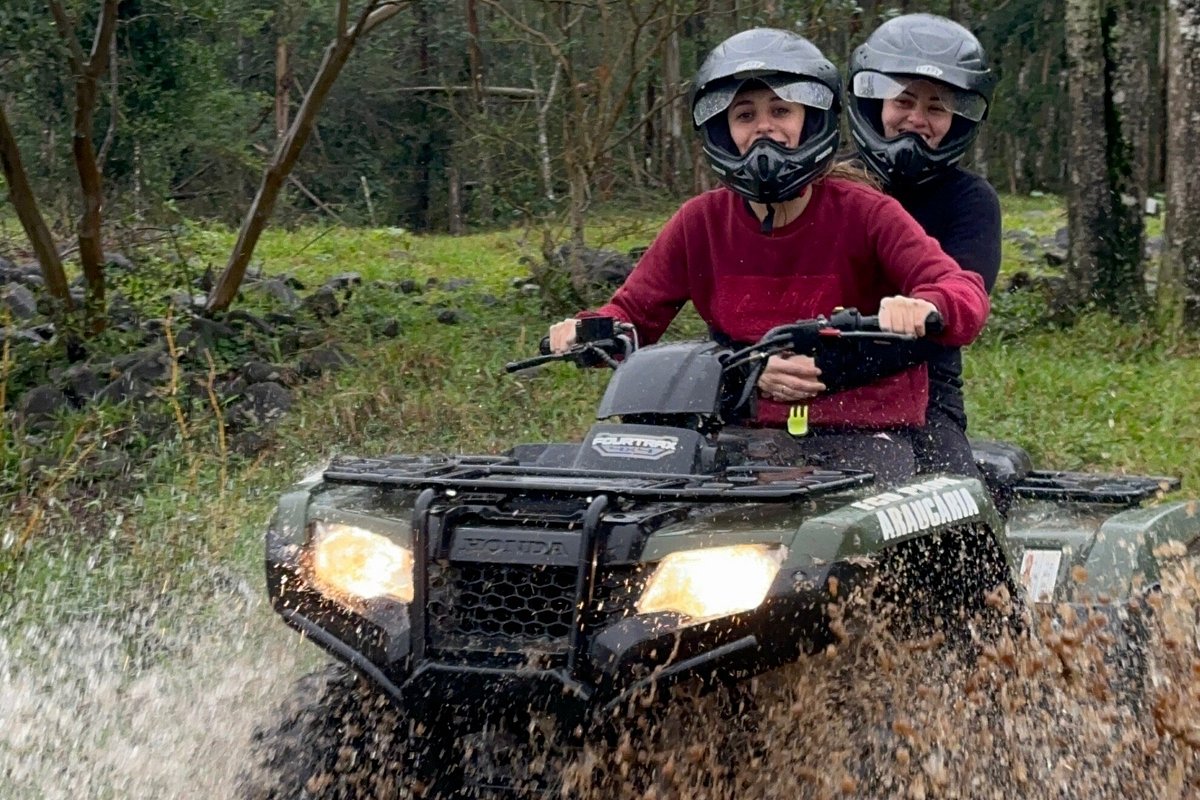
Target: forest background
point(136, 135)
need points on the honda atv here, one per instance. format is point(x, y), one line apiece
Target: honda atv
point(565, 579)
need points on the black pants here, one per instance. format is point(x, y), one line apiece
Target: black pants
point(887, 454)
point(942, 445)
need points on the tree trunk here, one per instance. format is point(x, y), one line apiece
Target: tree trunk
point(673, 109)
point(1129, 43)
point(1108, 78)
point(283, 84)
point(20, 193)
point(1179, 275)
point(454, 208)
point(1087, 187)
point(484, 186)
point(86, 70)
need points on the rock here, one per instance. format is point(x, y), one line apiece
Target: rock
point(248, 443)
point(82, 382)
point(29, 275)
point(448, 316)
point(489, 300)
point(126, 387)
point(1154, 246)
point(344, 281)
point(323, 303)
point(119, 261)
point(456, 284)
point(530, 289)
point(106, 464)
point(28, 335)
point(593, 273)
point(20, 301)
point(1055, 257)
point(240, 315)
point(202, 334)
point(262, 372)
point(149, 365)
point(1062, 238)
point(409, 286)
point(40, 405)
point(317, 362)
point(277, 290)
point(391, 328)
point(260, 404)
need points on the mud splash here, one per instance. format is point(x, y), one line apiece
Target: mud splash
point(1051, 714)
point(214, 705)
point(160, 705)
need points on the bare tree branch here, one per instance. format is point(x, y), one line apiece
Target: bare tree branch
point(519, 92)
point(66, 29)
point(114, 109)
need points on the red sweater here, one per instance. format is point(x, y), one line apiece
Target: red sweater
point(851, 247)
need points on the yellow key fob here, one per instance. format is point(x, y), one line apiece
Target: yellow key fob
point(797, 424)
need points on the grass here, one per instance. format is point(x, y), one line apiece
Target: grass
point(1101, 396)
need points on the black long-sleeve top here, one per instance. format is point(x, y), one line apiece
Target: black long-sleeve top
point(962, 212)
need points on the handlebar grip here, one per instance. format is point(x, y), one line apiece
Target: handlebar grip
point(934, 324)
point(544, 346)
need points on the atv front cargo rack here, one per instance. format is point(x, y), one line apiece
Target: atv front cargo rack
point(503, 473)
point(1092, 488)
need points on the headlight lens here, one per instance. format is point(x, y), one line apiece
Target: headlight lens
point(713, 582)
point(355, 562)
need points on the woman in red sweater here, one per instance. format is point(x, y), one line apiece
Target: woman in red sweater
point(785, 239)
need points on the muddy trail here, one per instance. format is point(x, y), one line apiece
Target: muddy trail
point(225, 702)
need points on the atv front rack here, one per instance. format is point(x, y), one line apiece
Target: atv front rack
point(1088, 487)
point(505, 474)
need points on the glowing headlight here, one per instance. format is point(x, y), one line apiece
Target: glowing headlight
point(355, 562)
point(713, 582)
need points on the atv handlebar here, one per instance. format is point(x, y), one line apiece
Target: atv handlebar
point(598, 340)
point(602, 340)
point(804, 337)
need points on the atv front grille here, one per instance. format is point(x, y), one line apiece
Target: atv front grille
point(498, 609)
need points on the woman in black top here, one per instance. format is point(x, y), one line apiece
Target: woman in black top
point(918, 89)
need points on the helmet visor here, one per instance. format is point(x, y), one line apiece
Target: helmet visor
point(809, 93)
point(871, 85)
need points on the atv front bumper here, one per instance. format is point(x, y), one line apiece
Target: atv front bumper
point(390, 643)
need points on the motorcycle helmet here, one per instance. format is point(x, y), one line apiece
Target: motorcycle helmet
point(904, 49)
point(791, 66)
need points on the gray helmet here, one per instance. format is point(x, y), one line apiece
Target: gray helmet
point(917, 46)
point(794, 69)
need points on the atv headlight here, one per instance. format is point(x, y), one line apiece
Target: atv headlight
point(355, 562)
point(713, 582)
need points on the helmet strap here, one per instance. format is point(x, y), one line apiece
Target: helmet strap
point(768, 222)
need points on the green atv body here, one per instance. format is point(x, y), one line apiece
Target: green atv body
point(569, 577)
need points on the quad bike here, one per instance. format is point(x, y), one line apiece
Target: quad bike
point(566, 578)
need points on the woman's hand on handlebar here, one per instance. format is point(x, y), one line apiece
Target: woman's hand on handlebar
point(901, 314)
point(562, 335)
point(790, 379)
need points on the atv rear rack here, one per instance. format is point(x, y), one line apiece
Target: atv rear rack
point(1092, 488)
point(505, 474)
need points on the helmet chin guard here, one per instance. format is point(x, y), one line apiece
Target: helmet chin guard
point(925, 47)
point(797, 71)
